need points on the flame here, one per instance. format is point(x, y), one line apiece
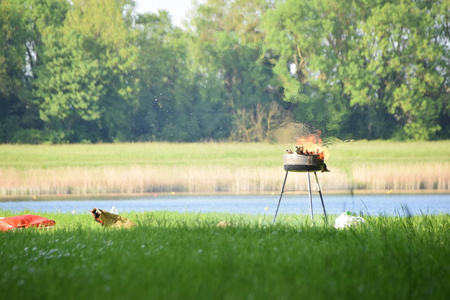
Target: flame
point(312, 145)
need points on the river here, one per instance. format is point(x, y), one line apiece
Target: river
point(386, 204)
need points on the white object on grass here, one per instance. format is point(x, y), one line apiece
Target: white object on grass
point(346, 220)
point(114, 210)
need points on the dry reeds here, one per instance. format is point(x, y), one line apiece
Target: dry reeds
point(213, 179)
point(414, 176)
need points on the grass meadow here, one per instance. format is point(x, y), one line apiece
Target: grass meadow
point(172, 255)
point(139, 168)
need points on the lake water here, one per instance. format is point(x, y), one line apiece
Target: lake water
point(290, 204)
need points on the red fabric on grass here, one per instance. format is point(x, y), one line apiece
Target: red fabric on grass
point(25, 221)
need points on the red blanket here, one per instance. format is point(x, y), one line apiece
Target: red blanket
point(25, 221)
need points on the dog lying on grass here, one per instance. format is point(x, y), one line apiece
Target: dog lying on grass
point(110, 220)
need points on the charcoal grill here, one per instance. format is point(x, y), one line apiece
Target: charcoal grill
point(306, 163)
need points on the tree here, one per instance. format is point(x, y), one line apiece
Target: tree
point(406, 57)
point(19, 117)
point(307, 43)
point(227, 47)
point(368, 69)
point(11, 62)
point(85, 85)
point(166, 97)
point(94, 70)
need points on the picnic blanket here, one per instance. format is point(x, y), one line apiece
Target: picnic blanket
point(25, 221)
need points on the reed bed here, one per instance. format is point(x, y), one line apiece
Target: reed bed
point(216, 168)
point(158, 179)
point(417, 176)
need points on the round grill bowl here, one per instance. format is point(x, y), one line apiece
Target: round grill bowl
point(302, 163)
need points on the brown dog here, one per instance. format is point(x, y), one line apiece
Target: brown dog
point(110, 220)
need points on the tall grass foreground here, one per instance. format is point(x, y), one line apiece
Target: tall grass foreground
point(170, 255)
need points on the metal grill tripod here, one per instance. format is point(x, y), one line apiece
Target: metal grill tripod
point(310, 197)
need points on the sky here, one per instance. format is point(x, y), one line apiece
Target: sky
point(178, 9)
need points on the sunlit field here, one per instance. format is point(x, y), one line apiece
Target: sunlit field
point(139, 168)
point(170, 255)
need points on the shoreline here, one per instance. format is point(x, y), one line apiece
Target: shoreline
point(111, 196)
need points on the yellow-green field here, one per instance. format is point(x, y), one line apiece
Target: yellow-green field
point(137, 168)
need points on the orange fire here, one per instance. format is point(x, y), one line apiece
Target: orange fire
point(311, 145)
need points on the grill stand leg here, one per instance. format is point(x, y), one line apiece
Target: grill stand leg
point(310, 197)
point(279, 201)
point(321, 198)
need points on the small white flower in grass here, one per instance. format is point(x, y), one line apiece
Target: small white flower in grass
point(69, 239)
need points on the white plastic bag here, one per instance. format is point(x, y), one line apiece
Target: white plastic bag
point(114, 210)
point(346, 220)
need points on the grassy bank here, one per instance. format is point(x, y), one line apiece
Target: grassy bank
point(186, 256)
point(216, 167)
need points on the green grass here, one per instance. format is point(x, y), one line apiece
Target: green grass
point(347, 155)
point(215, 154)
point(158, 154)
point(186, 256)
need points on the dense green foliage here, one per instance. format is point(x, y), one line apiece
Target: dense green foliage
point(171, 255)
point(96, 71)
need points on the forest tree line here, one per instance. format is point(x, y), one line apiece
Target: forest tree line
point(97, 71)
